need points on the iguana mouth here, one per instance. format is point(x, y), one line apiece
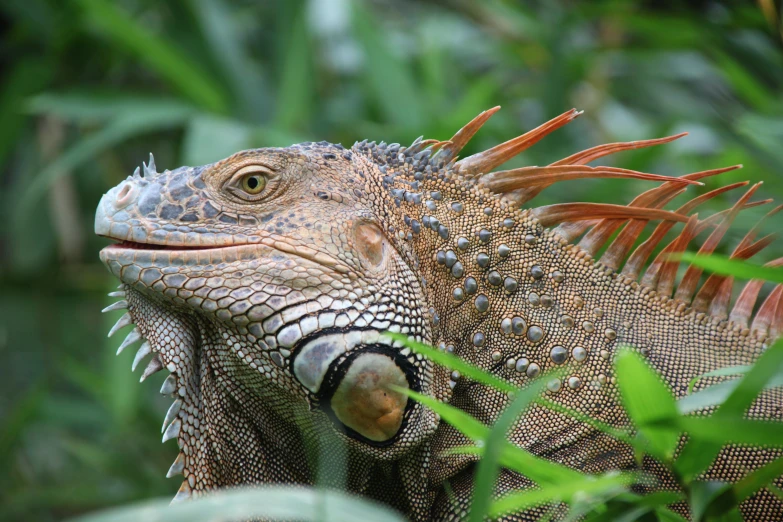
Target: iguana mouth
point(132, 245)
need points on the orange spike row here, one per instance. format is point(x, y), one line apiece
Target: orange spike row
point(520, 196)
point(776, 328)
point(586, 156)
point(661, 275)
point(714, 282)
point(526, 177)
point(651, 275)
point(717, 217)
point(765, 318)
point(719, 306)
point(743, 307)
point(751, 235)
point(654, 198)
point(599, 235)
point(570, 230)
point(489, 159)
point(633, 267)
point(552, 214)
point(693, 274)
point(464, 135)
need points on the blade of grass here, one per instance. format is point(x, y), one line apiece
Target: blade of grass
point(123, 31)
point(538, 470)
point(119, 130)
point(696, 455)
point(275, 502)
point(720, 372)
point(566, 492)
point(487, 470)
point(453, 362)
point(741, 269)
point(647, 399)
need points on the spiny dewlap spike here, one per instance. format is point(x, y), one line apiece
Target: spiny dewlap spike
point(464, 135)
point(594, 153)
point(169, 385)
point(117, 293)
point(171, 414)
point(489, 159)
point(119, 305)
point(178, 466)
point(633, 267)
point(132, 337)
point(124, 321)
point(552, 214)
point(184, 493)
point(155, 365)
point(144, 350)
point(691, 278)
point(173, 430)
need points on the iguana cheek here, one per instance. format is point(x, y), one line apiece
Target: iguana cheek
point(366, 400)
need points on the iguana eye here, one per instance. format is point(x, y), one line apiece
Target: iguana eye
point(253, 183)
point(249, 182)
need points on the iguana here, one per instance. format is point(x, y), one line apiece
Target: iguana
point(265, 283)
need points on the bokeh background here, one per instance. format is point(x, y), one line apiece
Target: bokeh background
point(91, 87)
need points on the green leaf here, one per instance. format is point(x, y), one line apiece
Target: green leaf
point(230, 55)
point(389, 79)
point(487, 471)
point(295, 90)
point(274, 502)
point(538, 470)
point(210, 138)
point(566, 492)
point(702, 494)
point(647, 399)
point(717, 394)
point(88, 106)
point(740, 269)
point(725, 431)
point(158, 54)
point(696, 456)
point(119, 130)
point(453, 362)
point(720, 372)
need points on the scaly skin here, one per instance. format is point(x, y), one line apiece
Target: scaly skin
point(269, 310)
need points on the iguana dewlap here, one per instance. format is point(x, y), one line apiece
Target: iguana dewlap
point(264, 284)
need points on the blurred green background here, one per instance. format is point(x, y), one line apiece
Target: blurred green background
point(90, 87)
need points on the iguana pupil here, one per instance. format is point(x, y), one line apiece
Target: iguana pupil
point(271, 312)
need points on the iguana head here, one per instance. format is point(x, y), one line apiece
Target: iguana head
point(275, 266)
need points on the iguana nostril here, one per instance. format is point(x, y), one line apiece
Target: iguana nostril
point(124, 196)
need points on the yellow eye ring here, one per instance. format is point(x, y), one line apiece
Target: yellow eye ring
point(253, 183)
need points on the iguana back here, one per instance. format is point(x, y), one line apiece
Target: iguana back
point(265, 282)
